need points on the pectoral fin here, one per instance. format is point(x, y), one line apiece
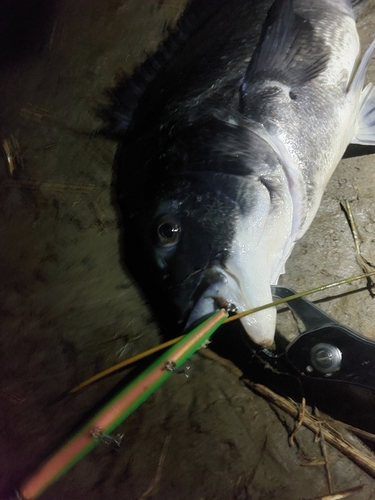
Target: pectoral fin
point(365, 134)
point(365, 121)
point(289, 50)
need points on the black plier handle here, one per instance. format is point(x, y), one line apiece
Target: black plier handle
point(326, 350)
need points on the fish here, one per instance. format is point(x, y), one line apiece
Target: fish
point(227, 137)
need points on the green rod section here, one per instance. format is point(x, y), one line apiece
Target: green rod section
point(119, 408)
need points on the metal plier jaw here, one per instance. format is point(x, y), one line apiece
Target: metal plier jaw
point(326, 350)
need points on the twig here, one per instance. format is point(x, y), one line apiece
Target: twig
point(354, 430)
point(155, 482)
point(314, 462)
point(312, 423)
point(362, 262)
point(56, 186)
point(330, 436)
point(40, 115)
point(12, 151)
point(99, 216)
point(341, 495)
point(325, 456)
point(299, 423)
point(357, 456)
point(13, 398)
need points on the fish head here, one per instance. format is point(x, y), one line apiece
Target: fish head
point(187, 233)
point(212, 237)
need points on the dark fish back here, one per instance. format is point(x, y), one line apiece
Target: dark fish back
point(125, 97)
point(202, 62)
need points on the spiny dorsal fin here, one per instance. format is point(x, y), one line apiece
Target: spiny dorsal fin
point(288, 50)
point(128, 92)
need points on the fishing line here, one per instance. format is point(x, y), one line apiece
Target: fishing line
point(160, 347)
point(298, 295)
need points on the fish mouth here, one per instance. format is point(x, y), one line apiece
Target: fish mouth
point(219, 288)
point(214, 293)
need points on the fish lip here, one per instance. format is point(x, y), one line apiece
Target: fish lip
point(217, 289)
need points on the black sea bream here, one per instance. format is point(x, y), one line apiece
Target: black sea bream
point(230, 134)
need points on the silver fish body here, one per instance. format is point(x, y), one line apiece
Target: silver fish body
point(226, 155)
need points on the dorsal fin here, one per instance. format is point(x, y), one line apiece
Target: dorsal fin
point(288, 51)
point(128, 92)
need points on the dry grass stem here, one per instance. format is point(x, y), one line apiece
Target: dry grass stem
point(40, 115)
point(341, 495)
point(362, 262)
point(12, 151)
point(365, 462)
point(155, 482)
point(299, 422)
point(99, 216)
point(13, 398)
point(49, 186)
point(325, 456)
point(354, 430)
point(357, 456)
point(314, 462)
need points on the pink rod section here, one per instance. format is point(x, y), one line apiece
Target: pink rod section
point(80, 444)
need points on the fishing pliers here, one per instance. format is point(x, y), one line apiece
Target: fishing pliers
point(326, 350)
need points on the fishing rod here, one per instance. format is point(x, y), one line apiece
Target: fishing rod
point(99, 428)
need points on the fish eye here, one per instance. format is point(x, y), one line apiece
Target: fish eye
point(168, 231)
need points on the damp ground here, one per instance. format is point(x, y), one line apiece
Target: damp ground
point(69, 310)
